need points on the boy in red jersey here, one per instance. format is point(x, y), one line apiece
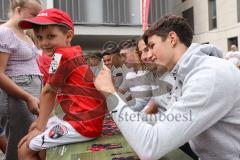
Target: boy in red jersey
point(70, 83)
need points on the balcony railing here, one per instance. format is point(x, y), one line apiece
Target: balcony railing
point(116, 11)
point(75, 8)
point(109, 12)
point(157, 9)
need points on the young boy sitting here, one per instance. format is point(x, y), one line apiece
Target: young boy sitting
point(70, 84)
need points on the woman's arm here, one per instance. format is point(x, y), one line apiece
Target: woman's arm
point(14, 90)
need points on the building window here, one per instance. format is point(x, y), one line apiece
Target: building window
point(75, 8)
point(188, 15)
point(238, 10)
point(116, 11)
point(4, 9)
point(231, 41)
point(157, 9)
point(212, 14)
point(112, 11)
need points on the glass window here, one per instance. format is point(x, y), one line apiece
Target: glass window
point(75, 8)
point(212, 14)
point(232, 41)
point(157, 9)
point(188, 15)
point(116, 11)
point(4, 9)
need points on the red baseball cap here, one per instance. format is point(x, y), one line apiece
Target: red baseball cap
point(48, 17)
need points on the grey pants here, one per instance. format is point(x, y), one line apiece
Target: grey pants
point(15, 112)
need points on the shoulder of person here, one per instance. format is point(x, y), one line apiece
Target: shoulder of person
point(6, 32)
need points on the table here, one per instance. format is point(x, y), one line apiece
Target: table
point(110, 146)
point(104, 148)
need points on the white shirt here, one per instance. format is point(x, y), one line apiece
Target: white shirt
point(233, 57)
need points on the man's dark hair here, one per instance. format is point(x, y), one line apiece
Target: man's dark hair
point(126, 44)
point(95, 54)
point(110, 48)
point(170, 23)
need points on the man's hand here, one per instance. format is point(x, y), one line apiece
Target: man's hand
point(104, 82)
point(26, 139)
point(33, 103)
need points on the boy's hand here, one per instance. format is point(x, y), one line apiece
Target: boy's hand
point(32, 103)
point(26, 139)
point(103, 81)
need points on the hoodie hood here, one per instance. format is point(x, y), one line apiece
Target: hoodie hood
point(193, 56)
point(211, 50)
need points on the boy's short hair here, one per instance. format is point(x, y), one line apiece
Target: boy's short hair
point(170, 23)
point(48, 17)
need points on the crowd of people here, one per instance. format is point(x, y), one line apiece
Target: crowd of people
point(169, 91)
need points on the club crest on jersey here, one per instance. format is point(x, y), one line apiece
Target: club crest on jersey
point(57, 131)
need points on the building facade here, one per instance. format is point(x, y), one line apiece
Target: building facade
point(213, 21)
point(99, 21)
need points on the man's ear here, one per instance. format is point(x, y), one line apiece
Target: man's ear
point(173, 38)
point(70, 35)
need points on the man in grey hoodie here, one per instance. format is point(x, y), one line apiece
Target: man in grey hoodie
point(205, 105)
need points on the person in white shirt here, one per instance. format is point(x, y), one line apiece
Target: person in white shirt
point(137, 80)
point(94, 60)
point(112, 59)
point(162, 81)
point(204, 109)
point(117, 69)
point(233, 55)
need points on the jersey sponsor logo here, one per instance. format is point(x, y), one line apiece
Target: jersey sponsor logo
point(42, 14)
point(55, 63)
point(57, 131)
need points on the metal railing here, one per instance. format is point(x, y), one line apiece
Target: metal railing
point(75, 8)
point(157, 9)
point(113, 12)
point(116, 11)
